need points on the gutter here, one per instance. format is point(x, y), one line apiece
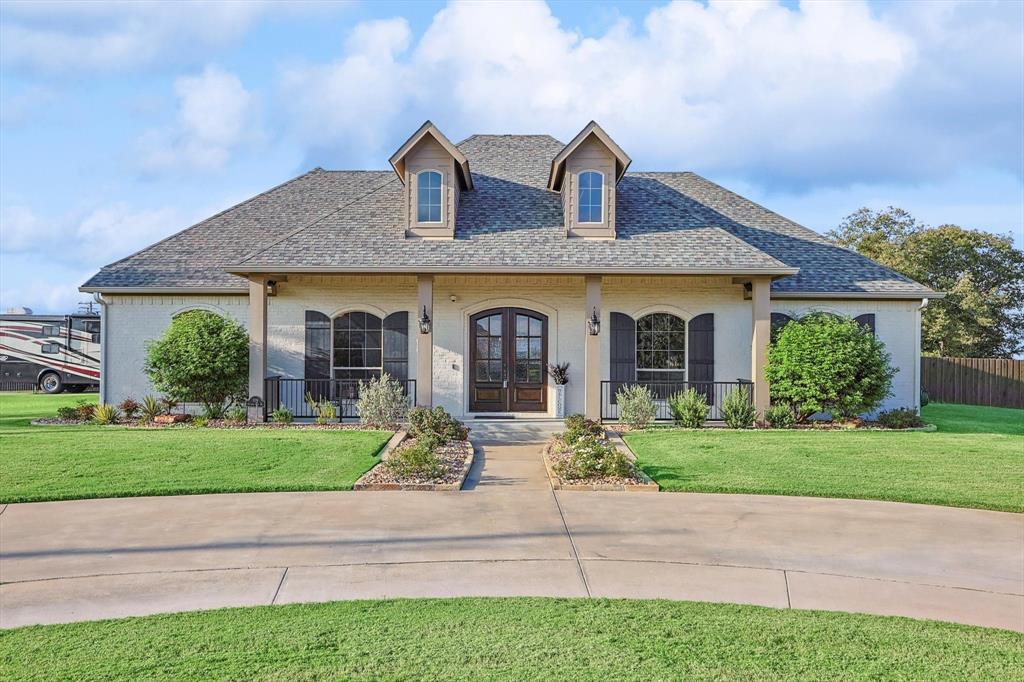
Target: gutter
point(582, 270)
point(98, 297)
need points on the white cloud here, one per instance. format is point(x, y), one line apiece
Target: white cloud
point(827, 94)
point(85, 35)
point(216, 116)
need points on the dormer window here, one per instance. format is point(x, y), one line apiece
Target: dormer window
point(428, 197)
point(591, 196)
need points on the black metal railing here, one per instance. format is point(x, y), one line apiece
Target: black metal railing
point(296, 394)
point(714, 391)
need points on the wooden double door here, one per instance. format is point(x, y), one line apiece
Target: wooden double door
point(508, 361)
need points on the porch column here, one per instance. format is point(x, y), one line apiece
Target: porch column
point(762, 311)
point(592, 350)
point(257, 342)
point(425, 342)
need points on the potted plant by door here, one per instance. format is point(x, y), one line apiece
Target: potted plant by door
point(560, 375)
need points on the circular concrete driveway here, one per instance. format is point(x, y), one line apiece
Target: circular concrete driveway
point(509, 535)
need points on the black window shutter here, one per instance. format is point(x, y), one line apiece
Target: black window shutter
point(623, 352)
point(318, 346)
point(396, 345)
point(701, 330)
point(867, 320)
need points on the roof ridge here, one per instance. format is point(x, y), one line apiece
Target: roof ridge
point(254, 197)
point(294, 232)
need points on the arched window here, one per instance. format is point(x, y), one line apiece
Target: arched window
point(358, 344)
point(660, 348)
point(428, 197)
point(591, 193)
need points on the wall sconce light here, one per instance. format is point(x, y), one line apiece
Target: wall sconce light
point(453, 298)
point(424, 322)
point(594, 323)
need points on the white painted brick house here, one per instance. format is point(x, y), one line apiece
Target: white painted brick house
point(469, 267)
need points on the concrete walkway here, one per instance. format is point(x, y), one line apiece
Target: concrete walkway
point(508, 534)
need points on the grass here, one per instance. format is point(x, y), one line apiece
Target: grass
point(74, 462)
point(510, 639)
point(975, 459)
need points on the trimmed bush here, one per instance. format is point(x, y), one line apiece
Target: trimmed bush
point(151, 408)
point(593, 457)
point(237, 415)
point(636, 406)
point(689, 408)
point(282, 415)
point(105, 414)
point(577, 425)
point(780, 416)
point(200, 422)
point(201, 358)
point(67, 413)
point(425, 421)
point(827, 363)
point(85, 410)
point(418, 460)
point(382, 402)
point(737, 411)
point(902, 418)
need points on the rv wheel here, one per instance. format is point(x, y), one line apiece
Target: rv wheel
point(51, 383)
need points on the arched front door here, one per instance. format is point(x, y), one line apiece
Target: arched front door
point(508, 360)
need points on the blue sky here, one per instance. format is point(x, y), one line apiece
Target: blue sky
point(121, 123)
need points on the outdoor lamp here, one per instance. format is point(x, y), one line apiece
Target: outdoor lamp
point(594, 323)
point(424, 322)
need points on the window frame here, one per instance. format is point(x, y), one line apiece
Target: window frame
point(334, 367)
point(579, 197)
point(441, 197)
point(655, 372)
point(50, 349)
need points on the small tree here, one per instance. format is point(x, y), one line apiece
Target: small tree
point(827, 363)
point(202, 358)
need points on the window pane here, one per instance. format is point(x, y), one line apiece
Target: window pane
point(536, 373)
point(481, 347)
point(522, 349)
point(522, 325)
point(481, 371)
point(535, 349)
point(496, 370)
point(521, 371)
point(372, 358)
point(495, 349)
point(535, 327)
point(495, 325)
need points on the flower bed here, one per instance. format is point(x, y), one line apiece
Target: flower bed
point(584, 458)
point(454, 458)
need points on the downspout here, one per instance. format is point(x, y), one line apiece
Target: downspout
point(98, 297)
point(917, 353)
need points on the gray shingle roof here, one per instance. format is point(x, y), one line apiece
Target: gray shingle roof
point(509, 221)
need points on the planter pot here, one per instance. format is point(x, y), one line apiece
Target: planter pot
point(560, 401)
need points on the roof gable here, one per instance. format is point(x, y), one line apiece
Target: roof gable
point(622, 159)
point(397, 159)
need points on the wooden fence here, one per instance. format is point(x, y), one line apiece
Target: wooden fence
point(974, 381)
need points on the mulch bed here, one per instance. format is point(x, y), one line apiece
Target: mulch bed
point(456, 458)
point(556, 452)
point(218, 424)
point(857, 425)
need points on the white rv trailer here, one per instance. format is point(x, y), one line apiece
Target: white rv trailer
point(54, 353)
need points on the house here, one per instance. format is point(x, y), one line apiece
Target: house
point(466, 268)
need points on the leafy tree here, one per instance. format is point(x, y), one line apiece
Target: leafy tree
point(202, 357)
point(827, 363)
point(981, 273)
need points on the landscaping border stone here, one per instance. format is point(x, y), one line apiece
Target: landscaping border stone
point(389, 448)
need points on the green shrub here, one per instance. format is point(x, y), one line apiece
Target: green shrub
point(925, 398)
point(129, 408)
point(85, 410)
point(215, 411)
point(282, 415)
point(636, 406)
point(67, 413)
point(780, 416)
point(325, 411)
point(238, 415)
point(593, 457)
point(203, 358)
point(577, 425)
point(151, 408)
point(105, 414)
point(200, 421)
point(436, 421)
point(418, 460)
point(382, 402)
point(689, 408)
point(737, 410)
point(827, 363)
point(902, 418)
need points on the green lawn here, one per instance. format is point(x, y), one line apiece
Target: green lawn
point(510, 639)
point(72, 462)
point(975, 459)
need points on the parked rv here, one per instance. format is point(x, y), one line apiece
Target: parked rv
point(53, 353)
